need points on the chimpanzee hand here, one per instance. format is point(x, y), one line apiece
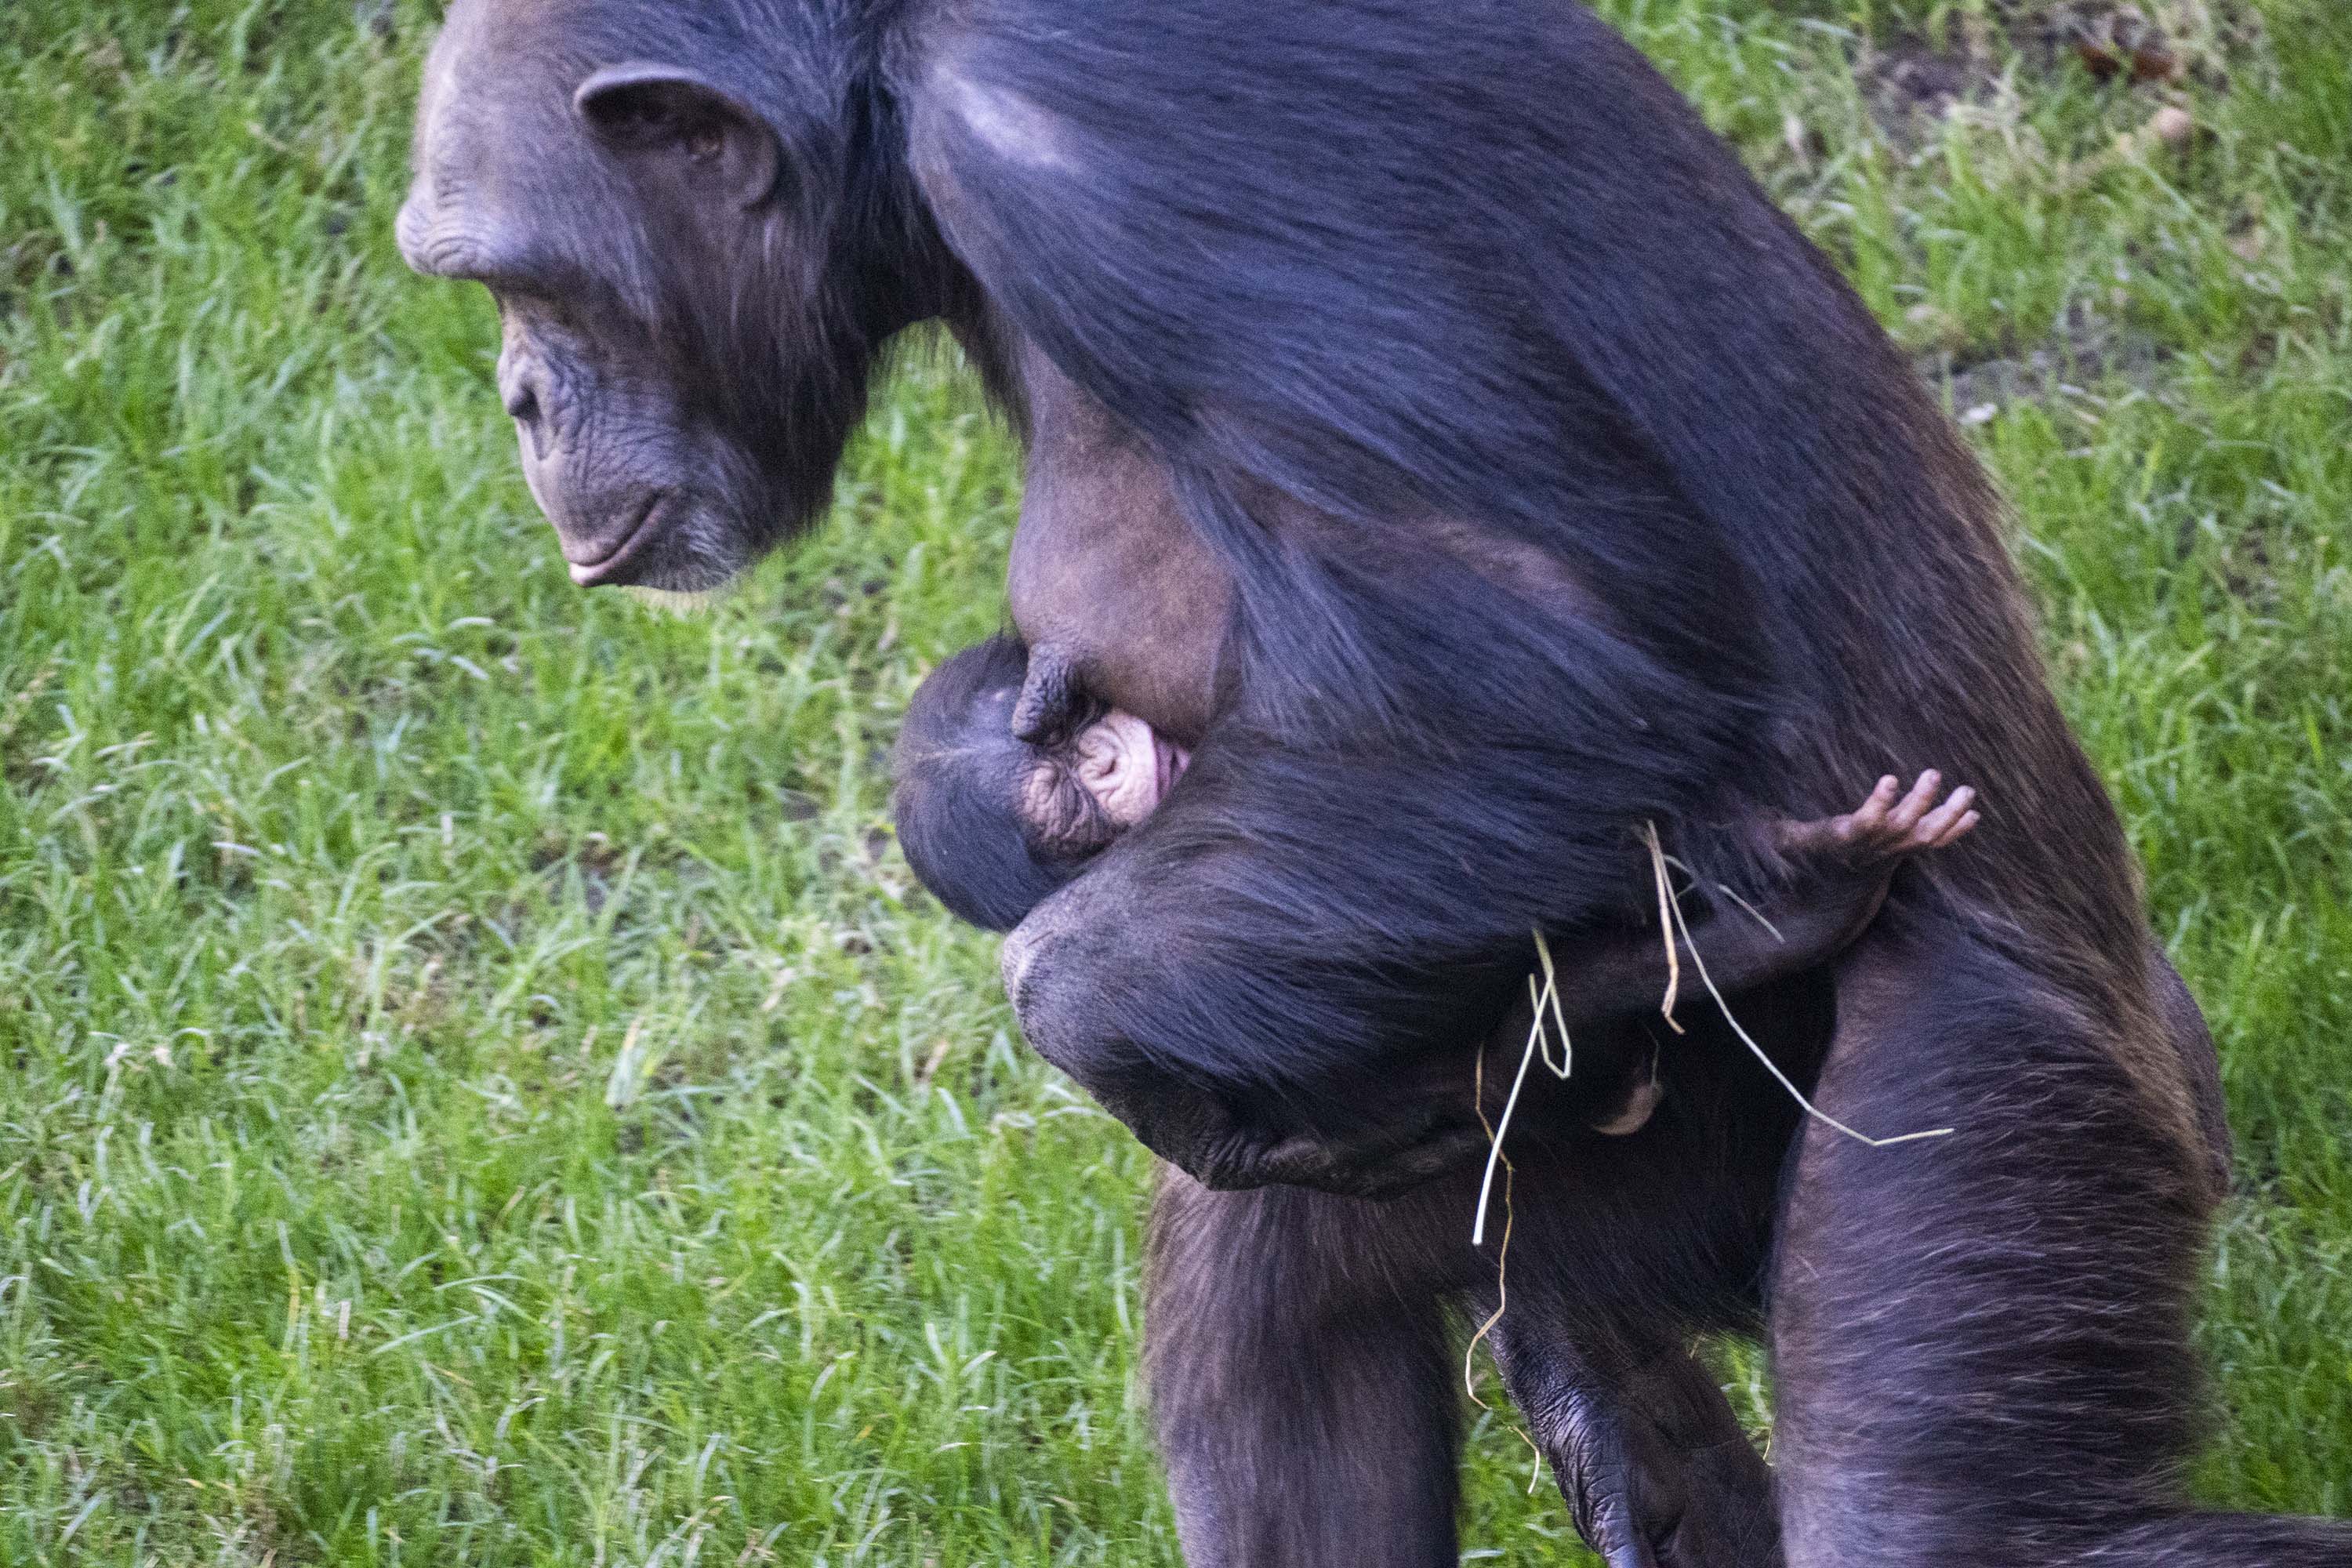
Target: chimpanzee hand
point(1641, 1501)
point(1845, 863)
point(1194, 1130)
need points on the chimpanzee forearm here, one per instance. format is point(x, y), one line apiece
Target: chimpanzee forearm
point(1619, 975)
point(1093, 984)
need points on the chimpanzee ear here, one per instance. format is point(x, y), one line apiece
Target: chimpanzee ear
point(649, 111)
point(1051, 697)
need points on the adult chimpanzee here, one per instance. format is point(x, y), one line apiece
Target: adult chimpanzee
point(1564, 488)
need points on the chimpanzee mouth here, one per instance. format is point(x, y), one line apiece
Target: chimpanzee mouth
point(1172, 761)
point(613, 566)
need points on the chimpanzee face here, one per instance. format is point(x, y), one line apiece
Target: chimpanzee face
point(687, 328)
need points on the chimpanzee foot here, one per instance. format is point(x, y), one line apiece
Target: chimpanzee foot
point(1889, 824)
point(1641, 1504)
point(1655, 1470)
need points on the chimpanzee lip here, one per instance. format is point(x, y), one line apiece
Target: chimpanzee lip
point(609, 566)
point(1172, 759)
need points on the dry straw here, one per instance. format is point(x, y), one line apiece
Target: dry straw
point(1672, 926)
point(1698, 962)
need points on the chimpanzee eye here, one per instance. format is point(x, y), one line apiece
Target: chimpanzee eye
point(1078, 819)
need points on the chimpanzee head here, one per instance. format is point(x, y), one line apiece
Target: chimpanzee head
point(693, 217)
point(992, 823)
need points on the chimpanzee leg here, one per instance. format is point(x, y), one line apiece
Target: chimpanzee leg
point(1300, 1380)
point(1306, 1398)
point(1982, 1341)
point(1623, 1250)
point(1653, 1464)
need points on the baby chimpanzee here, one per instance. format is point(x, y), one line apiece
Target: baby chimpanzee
point(992, 824)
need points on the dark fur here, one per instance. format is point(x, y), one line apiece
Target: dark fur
point(1359, 273)
point(1308, 1391)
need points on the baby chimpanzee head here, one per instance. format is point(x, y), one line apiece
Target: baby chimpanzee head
point(991, 824)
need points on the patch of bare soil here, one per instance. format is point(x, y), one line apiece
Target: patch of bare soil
point(2087, 349)
point(1909, 83)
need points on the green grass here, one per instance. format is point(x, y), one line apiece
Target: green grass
point(478, 1086)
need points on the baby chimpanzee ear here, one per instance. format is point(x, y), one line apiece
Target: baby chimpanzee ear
point(1053, 699)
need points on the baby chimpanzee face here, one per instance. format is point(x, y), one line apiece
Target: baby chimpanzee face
point(1100, 781)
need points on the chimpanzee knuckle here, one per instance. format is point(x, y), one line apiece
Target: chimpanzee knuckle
point(1305, 1160)
point(1232, 1161)
point(1622, 1544)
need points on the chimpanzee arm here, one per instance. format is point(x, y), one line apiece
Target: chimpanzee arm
point(1070, 974)
point(1842, 864)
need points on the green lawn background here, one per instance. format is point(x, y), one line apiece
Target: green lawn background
point(476, 1084)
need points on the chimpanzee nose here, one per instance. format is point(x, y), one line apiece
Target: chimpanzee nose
point(518, 389)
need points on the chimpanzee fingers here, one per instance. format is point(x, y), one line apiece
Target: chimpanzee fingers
point(1885, 826)
point(1361, 1174)
point(1379, 1167)
point(1425, 1161)
point(1296, 1162)
point(1868, 818)
point(1603, 1488)
point(1629, 1552)
point(1613, 1532)
point(1235, 1163)
point(1907, 811)
point(1876, 805)
point(1931, 830)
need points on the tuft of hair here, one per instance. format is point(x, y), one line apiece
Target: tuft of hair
point(958, 773)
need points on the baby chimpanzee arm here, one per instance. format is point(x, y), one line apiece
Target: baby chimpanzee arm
point(1844, 865)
